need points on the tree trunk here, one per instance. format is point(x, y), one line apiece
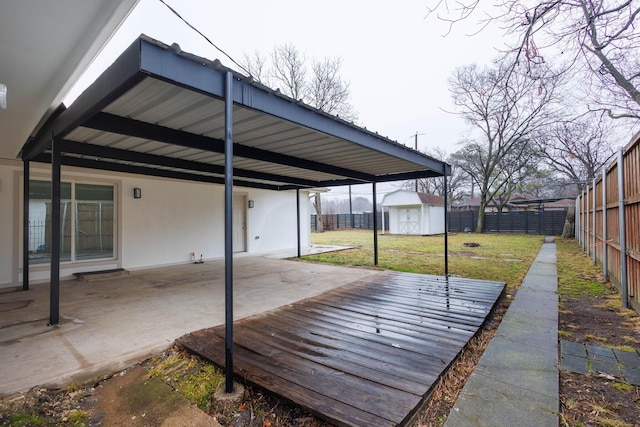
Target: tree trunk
point(569, 224)
point(318, 206)
point(481, 209)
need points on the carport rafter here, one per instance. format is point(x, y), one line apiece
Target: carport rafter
point(135, 128)
point(100, 151)
point(137, 169)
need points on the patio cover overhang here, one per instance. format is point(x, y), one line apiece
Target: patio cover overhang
point(161, 112)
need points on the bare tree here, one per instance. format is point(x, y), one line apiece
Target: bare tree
point(317, 205)
point(505, 108)
point(327, 91)
point(322, 87)
point(577, 149)
point(596, 36)
point(255, 65)
point(456, 182)
point(324, 90)
point(288, 70)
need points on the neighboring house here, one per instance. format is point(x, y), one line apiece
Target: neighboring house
point(517, 203)
point(138, 160)
point(414, 213)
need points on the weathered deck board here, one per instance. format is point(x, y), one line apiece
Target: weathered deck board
point(364, 354)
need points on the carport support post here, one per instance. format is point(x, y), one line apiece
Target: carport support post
point(25, 227)
point(54, 287)
point(446, 223)
point(228, 231)
point(375, 226)
point(298, 218)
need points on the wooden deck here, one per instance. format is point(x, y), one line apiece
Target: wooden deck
point(364, 354)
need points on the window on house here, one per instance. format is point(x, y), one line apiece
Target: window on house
point(87, 221)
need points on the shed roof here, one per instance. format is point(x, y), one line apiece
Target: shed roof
point(160, 111)
point(408, 198)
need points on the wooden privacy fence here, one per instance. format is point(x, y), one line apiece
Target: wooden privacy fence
point(608, 222)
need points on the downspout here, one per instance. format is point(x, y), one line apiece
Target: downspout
point(228, 230)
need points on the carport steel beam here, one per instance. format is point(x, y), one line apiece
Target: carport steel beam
point(148, 58)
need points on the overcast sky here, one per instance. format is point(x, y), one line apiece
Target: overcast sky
point(396, 61)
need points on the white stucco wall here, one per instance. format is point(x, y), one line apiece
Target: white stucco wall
point(172, 219)
point(7, 223)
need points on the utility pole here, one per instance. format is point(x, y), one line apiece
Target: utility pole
point(416, 148)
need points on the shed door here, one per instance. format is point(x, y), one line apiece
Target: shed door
point(408, 221)
point(239, 223)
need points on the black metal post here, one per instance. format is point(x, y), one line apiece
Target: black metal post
point(25, 227)
point(353, 225)
point(375, 226)
point(298, 218)
point(54, 287)
point(446, 224)
point(228, 231)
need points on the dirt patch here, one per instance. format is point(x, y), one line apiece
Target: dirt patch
point(599, 321)
point(133, 399)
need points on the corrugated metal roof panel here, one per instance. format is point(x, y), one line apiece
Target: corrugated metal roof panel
point(174, 109)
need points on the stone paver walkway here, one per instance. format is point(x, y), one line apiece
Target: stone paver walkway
point(582, 359)
point(516, 380)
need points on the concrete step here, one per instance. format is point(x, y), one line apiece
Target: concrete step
point(90, 276)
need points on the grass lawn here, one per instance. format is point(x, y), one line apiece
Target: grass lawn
point(499, 257)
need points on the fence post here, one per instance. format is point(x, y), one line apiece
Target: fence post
point(582, 219)
point(587, 238)
point(605, 250)
point(593, 222)
point(622, 227)
point(576, 221)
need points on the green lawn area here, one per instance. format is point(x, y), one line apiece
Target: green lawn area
point(577, 276)
point(499, 257)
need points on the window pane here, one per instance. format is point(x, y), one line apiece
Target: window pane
point(94, 221)
point(40, 221)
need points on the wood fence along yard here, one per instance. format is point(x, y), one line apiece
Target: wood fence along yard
point(608, 222)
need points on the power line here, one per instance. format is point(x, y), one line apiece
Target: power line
point(205, 37)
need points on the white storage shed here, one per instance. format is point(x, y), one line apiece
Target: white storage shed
point(416, 213)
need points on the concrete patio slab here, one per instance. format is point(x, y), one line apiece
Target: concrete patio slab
point(110, 324)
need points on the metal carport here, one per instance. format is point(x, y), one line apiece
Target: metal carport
point(161, 112)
